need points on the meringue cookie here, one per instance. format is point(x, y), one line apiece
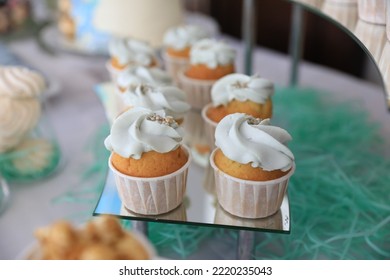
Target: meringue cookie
point(18, 116)
point(20, 82)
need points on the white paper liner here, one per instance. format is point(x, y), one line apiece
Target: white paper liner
point(342, 1)
point(177, 214)
point(209, 126)
point(152, 196)
point(249, 199)
point(344, 12)
point(373, 11)
point(174, 65)
point(198, 91)
point(272, 222)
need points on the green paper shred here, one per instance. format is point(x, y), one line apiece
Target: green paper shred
point(339, 195)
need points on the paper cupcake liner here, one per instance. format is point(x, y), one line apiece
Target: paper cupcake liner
point(198, 91)
point(209, 126)
point(152, 196)
point(373, 11)
point(274, 221)
point(346, 13)
point(388, 23)
point(249, 199)
point(173, 66)
point(342, 1)
point(177, 214)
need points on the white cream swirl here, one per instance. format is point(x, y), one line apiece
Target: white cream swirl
point(20, 82)
point(184, 36)
point(134, 132)
point(247, 140)
point(132, 51)
point(212, 53)
point(135, 76)
point(242, 88)
point(17, 118)
point(168, 98)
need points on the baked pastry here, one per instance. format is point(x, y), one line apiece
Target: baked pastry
point(210, 60)
point(148, 160)
point(168, 98)
point(101, 238)
point(252, 165)
point(129, 52)
point(237, 93)
point(178, 42)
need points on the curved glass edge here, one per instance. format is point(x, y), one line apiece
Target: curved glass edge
point(382, 51)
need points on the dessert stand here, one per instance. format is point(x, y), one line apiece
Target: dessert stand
point(200, 207)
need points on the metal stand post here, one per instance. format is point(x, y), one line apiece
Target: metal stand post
point(4, 194)
point(140, 226)
point(296, 42)
point(249, 33)
point(246, 240)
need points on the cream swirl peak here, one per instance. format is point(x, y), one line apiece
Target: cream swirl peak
point(168, 98)
point(135, 76)
point(141, 130)
point(20, 82)
point(184, 36)
point(129, 51)
point(242, 88)
point(212, 53)
point(245, 139)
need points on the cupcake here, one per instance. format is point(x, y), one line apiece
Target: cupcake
point(372, 11)
point(237, 93)
point(252, 165)
point(168, 98)
point(142, 75)
point(134, 76)
point(129, 52)
point(148, 160)
point(178, 42)
point(210, 60)
point(101, 238)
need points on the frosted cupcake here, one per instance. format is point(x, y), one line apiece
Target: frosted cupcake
point(178, 42)
point(252, 165)
point(133, 77)
point(168, 98)
point(237, 93)
point(210, 60)
point(148, 160)
point(129, 52)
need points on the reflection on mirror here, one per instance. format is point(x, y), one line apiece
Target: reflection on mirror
point(365, 20)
